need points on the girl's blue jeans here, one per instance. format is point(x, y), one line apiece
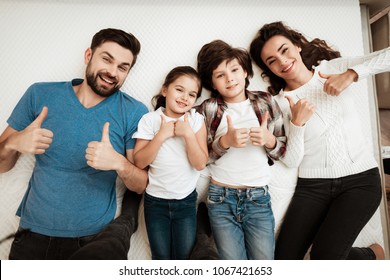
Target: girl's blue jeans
point(242, 222)
point(171, 226)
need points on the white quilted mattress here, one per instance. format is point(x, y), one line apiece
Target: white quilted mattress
point(45, 41)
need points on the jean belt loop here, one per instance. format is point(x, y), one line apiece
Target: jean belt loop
point(225, 192)
point(265, 190)
point(249, 193)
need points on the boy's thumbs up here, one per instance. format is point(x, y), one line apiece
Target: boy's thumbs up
point(264, 120)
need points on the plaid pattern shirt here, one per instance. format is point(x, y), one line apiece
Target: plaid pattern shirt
point(213, 108)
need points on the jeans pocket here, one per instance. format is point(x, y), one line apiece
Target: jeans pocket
point(261, 198)
point(149, 200)
point(190, 200)
point(216, 195)
point(82, 241)
point(20, 234)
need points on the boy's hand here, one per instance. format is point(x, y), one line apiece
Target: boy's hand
point(234, 137)
point(261, 136)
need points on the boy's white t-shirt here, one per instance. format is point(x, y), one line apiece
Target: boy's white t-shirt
point(171, 175)
point(247, 166)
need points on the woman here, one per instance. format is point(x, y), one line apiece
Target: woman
point(338, 188)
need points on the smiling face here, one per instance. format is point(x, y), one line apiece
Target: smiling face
point(283, 58)
point(180, 96)
point(229, 80)
point(107, 68)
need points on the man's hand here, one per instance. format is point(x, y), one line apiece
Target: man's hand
point(101, 155)
point(33, 139)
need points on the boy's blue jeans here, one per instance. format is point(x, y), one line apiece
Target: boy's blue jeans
point(242, 222)
point(171, 226)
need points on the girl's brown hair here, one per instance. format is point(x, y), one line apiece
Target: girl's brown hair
point(159, 100)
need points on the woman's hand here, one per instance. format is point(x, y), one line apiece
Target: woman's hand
point(336, 83)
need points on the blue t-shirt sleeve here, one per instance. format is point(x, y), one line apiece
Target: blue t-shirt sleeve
point(137, 114)
point(25, 111)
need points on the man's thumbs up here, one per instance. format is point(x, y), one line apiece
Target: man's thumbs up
point(33, 139)
point(41, 117)
point(101, 155)
point(106, 133)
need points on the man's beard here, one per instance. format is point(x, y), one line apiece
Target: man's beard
point(99, 90)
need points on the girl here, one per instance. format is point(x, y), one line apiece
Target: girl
point(339, 187)
point(172, 142)
point(245, 133)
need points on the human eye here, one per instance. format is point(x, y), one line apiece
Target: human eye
point(106, 59)
point(123, 68)
point(271, 61)
point(284, 50)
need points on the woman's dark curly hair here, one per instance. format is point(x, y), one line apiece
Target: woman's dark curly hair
point(312, 52)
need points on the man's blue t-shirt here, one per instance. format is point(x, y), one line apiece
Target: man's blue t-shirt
point(65, 196)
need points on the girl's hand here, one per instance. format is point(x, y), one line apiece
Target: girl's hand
point(167, 129)
point(301, 111)
point(336, 83)
point(183, 128)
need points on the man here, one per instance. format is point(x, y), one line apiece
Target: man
point(81, 135)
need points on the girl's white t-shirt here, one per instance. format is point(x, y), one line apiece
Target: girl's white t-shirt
point(171, 175)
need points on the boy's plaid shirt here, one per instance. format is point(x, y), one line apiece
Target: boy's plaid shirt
point(213, 108)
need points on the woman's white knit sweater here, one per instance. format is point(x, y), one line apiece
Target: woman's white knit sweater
point(332, 143)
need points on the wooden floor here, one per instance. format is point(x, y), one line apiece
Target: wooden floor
point(384, 116)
